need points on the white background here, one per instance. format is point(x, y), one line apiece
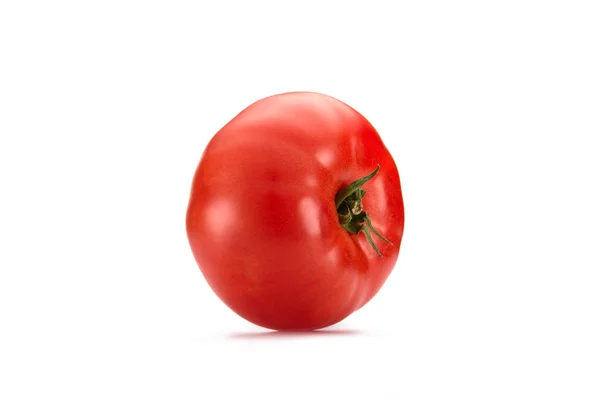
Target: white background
point(490, 108)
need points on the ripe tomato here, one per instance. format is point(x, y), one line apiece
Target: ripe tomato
point(278, 217)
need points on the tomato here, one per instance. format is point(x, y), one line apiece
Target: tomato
point(278, 216)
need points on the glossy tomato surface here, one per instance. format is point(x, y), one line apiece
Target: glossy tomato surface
point(262, 220)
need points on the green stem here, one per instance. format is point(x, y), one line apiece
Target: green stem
point(352, 217)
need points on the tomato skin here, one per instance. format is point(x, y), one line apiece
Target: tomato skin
point(262, 222)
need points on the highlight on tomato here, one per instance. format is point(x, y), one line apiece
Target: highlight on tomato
point(296, 215)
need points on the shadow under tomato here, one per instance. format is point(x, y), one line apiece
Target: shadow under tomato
point(295, 334)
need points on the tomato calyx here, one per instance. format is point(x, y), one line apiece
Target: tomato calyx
point(352, 217)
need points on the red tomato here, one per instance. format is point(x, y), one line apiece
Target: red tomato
point(276, 226)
